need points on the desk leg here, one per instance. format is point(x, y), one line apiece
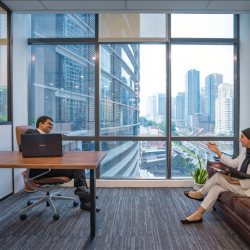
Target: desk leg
point(92, 203)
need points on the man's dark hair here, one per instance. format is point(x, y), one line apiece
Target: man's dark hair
point(42, 119)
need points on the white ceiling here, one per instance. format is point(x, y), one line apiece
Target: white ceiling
point(132, 6)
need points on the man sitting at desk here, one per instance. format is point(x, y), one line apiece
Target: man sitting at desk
point(44, 125)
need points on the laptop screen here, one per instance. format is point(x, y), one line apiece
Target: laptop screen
point(40, 145)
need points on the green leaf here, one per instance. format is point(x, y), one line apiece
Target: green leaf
point(199, 174)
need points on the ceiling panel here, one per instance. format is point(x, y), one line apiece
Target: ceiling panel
point(24, 5)
point(84, 5)
point(167, 5)
point(113, 6)
point(229, 5)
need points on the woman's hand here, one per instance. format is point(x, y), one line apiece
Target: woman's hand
point(214, 148)
point(228, 178)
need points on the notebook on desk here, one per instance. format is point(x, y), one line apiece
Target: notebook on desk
point(234, 173)
point(41, 145)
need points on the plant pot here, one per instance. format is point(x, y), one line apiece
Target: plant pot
point(198, 186)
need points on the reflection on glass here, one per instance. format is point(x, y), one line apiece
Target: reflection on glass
point(63, 87)
point(184, 155)
point(132, 27)
point(63, 25)
point(133, 90)
point(131, 159)
point(202, 25)
point(202, 90)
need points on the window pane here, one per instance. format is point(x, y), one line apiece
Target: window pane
point(131, 159)
point(3, 84)
point(79, 146)
point(184, 156)
point(133, 90)
point(132, 27)
point(202, 90)
point(63, 26)
point(63, 87)
point(3, 24)
point(202, 26)
point(3, 67)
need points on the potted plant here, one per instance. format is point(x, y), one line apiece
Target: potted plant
point(200, 175)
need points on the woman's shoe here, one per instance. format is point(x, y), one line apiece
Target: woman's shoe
point(185, 221)
point(186, 193)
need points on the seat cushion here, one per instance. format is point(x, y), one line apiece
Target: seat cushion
point(53, 180)
point(242, 209)
point(228, 198)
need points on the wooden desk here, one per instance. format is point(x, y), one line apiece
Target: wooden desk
point(71, 160)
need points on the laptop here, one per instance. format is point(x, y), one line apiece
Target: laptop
point(234, 173)
point(41, 145)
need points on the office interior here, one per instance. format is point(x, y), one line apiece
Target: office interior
point(18, 77)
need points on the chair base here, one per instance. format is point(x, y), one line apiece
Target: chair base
point(49, 200)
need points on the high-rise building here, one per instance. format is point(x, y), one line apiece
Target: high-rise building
point(151, 108)
point(224, 111)
point(212, 82)
point(180, 108)
point(63, 86)
point(192, 94)
point(173, 108)
point(161, 107)
point(202, 99)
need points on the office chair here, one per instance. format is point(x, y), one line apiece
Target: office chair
point(45, 184)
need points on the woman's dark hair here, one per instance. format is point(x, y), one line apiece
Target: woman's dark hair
point(246, 132)
point(42, 119)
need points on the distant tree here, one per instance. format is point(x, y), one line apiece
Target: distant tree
point(3, 118)
point(150, 123)
point(143, 120)
point(173, 126)
point(162, 126)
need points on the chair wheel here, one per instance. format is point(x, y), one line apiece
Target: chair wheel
point(75, 204)
point(29, 203)
point(23, 216)
point(56, 216)
point(47, 203)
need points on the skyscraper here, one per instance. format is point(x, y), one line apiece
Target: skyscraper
point(151, 108)
point(161, 107)
point(224, 111)
point(63, 86)
point(192, 94)
point(180, 107)
point(212, 83)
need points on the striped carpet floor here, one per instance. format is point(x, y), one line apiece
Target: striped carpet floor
point(130, 218)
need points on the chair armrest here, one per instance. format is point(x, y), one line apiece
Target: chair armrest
point(34, 177)
point(216, 164)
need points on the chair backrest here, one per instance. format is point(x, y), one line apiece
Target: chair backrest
point(21, 130)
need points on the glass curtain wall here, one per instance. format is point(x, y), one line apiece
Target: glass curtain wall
point(118, 97)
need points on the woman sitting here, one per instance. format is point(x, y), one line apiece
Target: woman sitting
point(219, 183)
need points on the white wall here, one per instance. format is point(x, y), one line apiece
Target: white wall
point(5, 173)
point(244, 71)
point(20, 84)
